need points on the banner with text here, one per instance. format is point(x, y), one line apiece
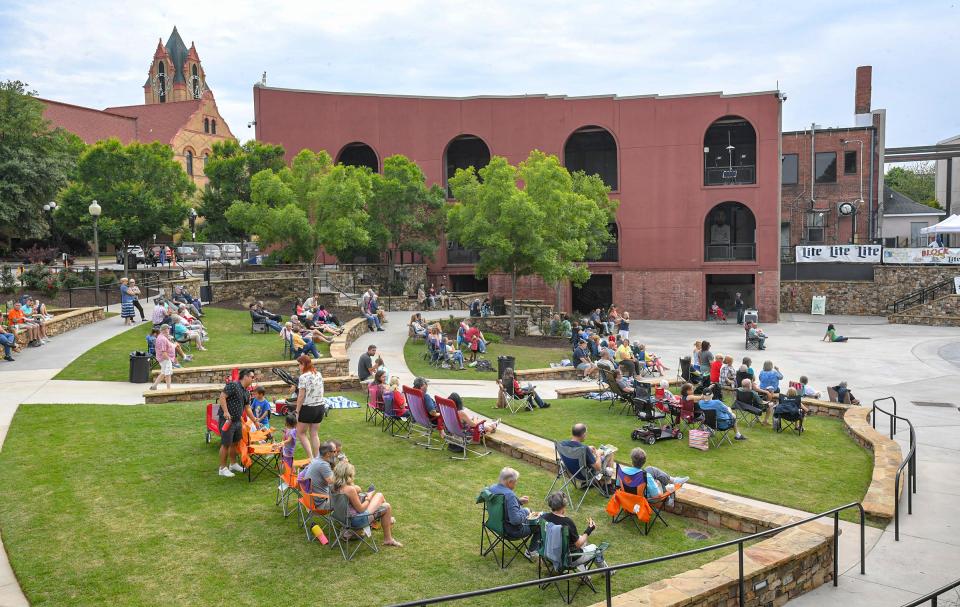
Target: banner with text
point(844, 253)
point(932, 255)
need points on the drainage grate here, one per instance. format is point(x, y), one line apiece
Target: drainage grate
point(921, 403)
point(696, 535)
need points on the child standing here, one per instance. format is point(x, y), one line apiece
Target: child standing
point(625, 326)
point(289, 439)
point(261, 408)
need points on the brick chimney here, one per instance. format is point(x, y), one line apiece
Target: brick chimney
point(861, 101)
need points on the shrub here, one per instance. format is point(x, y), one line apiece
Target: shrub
point(34, 279)
point(8, 281)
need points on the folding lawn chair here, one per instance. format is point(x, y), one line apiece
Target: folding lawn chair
point(212, 422)
point(636, 504)
point(349, 527)
point(394, 423)
point(687, 412)
point(287, 487)
point(788, 415)
point(572, 470)
point(547, 568)
point(374, 410)
point(262, 456)
point(744, 407)
point(493, 531)
point(513, 402)
point(717, 436)
point(314, 509)
point(419, 419)
point(455, 434)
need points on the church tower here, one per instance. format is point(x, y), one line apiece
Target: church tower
point(175, 73)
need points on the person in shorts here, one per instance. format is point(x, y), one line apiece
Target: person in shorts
point(234, 402)
point(165, 351)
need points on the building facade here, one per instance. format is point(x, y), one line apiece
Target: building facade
point(697, 177)
point(903, 218)
point(179, 111)
point(831, 178)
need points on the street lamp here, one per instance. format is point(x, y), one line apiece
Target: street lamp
point(193, 223)
point(95, 211)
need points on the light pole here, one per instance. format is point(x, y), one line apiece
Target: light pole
point(95, 211)
point(51, 207)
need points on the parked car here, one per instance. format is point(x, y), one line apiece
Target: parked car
point(209, 251)
point(186, 253)
point(132, 249)
point(155, 249)
point(230, 251)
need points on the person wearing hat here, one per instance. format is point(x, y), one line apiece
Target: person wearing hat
point(422, 383)
point(166, 354)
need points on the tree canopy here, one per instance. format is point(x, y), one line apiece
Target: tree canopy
point(140, 187)
point(547, 227)
point(229, 170)
point(36, 161)
point(917, 183)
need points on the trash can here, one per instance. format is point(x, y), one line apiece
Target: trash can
point(131, 260)
point(499, 307)
point(750, 316)
point(503, 362)
point(139, 368)
point(685, 363)
point(206, 293)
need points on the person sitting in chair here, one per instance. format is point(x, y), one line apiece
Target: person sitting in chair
point(755, 333)
point(725, 415)
point(478, 425)
point(516, 522)
point(258, 315)
point(422, 384)
point(728, 374)
point(581, 551)
point(806, 390)
point(528, 391)
point(748, 395)
point(599, 461)
point(180, 295)
point(581, 359)
point(662, 480)
point(844, 395)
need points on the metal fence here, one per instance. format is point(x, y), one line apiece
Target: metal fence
point(909, 462)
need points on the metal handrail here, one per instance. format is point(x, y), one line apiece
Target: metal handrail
point(610, 569)
point(932, 596)
point(910, 462)
point(921, 296)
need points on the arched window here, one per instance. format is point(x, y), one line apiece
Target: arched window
point(206, 157)
point(464, 151)
point(206, 125)
point(213, 126)
point(729, 233)
point(162, 82)
point(730, 152)
point(359, 154)
point(593, 150)
point(195, 79)
point(189, 156)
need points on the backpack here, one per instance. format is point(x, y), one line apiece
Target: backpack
point(483, 365)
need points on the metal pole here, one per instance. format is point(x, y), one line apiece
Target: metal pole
point(894, 418)
point(836, 546)
point(96, 263)
point(606, 575)
point(740, 598)
point(896, 511)
point(863, 545)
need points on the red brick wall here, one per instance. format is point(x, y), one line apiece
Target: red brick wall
point(528, 287)
point(660, 295)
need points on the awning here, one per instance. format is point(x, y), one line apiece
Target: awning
point(950, 225)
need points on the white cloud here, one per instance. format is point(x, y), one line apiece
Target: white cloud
point(96, 53)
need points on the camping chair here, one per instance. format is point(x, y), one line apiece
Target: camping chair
point(394, 423)
point(263, 456)
point(419, 418)
point(619, 396)
point(741, 375)
point(512, 402)
point(643, 403)
point(257, 326)
point(311, 513)
point(455, 434)
point(835, 397)
point(788, 415)
point(688, 414)
point(717, 436)
point(288, 349)
point(346, 527)
point(751, 343)
point(374, 411)
point(567, 564)
point(493, 531)
point(642, 509)
point(287, 487)
point(212, 425)
point(745, 408)
point(572, 470)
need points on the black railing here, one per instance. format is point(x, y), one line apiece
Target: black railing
point(109, 292)
point(735, 175)
point(608, 571)
point(909, 462)
point(730, 252)
point(932, 597)
point(922, 296)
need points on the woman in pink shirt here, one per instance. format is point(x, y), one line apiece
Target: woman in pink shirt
point(166, 354)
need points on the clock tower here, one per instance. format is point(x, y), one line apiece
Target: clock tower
point(175, 73)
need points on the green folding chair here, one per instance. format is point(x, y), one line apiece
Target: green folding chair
point(547, 568)
point(493, 532)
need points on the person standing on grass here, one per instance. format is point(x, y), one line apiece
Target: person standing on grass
point(166, 354)
point(234, 402)
point(310, 405)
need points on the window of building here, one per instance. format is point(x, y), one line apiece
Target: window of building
point(791, 169)
point(189, 156)
point(463, 152)
point(729, 233)
point(359, 154)
point(162, 82)
point(206, 125)
point(730, 152)
point(826, 167)
point(213, 126)
point(816, 226)
point(613, 249)
point(206, 157)
point(850, 162)
point(916, 238)
point(593, 150)
point(459, 254)
point(195, 79)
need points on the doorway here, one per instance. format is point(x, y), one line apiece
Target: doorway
point(468, 283)
point(723, 289)
point(597, 292)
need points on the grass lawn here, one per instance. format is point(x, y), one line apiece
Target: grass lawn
point(527, 358)
point(819, 470)
point(230, 342)
point(122, 506)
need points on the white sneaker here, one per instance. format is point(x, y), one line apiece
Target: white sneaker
point(235, 467)
point(226, 472)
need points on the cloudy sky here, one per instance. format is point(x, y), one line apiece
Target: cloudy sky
point(97, 52)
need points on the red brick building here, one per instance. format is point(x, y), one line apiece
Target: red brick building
point(832, 177)
point(697, 177)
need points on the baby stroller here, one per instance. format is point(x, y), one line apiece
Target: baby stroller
point(280, 406)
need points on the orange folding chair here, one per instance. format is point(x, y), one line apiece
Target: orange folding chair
point(256, 456)
point(309, 511)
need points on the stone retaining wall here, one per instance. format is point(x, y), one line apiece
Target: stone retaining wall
point(879, 501)
point(248, 290)
point(216, 373)
point(274, 389)
point(67, 319)
point(192, 285)
point(352, 329)
point(547, 374)
point(499, 325)
point(943, 312)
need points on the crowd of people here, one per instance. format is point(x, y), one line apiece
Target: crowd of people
point(29, 316)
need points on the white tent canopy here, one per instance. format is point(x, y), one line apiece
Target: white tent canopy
point(950, 225)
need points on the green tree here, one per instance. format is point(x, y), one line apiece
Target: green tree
point(547, 227)
point(35, 162)
point(140, 187)
point(311, 204)
point(917, 183)
point(229, 169)
point(405, 214)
